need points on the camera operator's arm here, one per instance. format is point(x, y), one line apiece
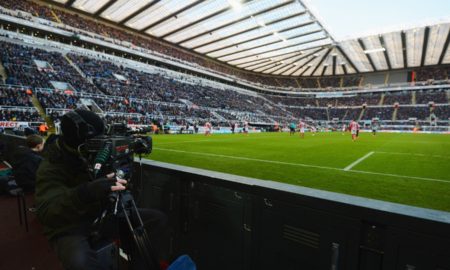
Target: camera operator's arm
point(99, 188)
point(62, 204)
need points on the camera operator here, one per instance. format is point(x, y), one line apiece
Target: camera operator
point(68, 201)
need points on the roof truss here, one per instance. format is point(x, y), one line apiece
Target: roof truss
point(251, 52)
point(235, 22)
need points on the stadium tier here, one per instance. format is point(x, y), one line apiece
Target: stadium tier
point(244, 133)
point(64, 81)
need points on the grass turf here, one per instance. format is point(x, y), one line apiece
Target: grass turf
point(410, 169)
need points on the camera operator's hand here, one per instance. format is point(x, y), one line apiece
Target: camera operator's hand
point(100, 188)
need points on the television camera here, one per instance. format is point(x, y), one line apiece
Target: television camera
point(114, 152)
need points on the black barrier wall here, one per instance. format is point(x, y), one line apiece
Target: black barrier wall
point(230, 222)
point(8, 144)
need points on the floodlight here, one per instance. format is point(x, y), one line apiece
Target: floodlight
point(236, 4)
point(375, 50)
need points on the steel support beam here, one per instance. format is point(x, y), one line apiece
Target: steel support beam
point(404, 50)
point(268, 44)
point(139, 11)
point(386, 55)
point(193, 4)
point(363, 47)
point(278, 49)
point(104, 7)
point(444, 49)
point(347, 58)
point(200, 20)
point(425, 45)
point(235, 22)
point(248, 30)
point(321, 61)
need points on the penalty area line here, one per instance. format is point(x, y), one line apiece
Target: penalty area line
point(304, 165)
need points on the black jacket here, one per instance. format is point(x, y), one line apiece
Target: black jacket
point(59, 207)
point(25, 163)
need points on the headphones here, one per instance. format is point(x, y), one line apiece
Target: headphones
point(84, 129)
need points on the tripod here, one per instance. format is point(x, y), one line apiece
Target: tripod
point(124, 209)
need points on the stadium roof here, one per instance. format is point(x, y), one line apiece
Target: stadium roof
point(277, 37)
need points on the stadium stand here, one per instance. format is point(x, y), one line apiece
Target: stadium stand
point(128, 77)
point(96, 29)
point(117, 88)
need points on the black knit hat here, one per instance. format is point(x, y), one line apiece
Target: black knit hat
point(79, 125)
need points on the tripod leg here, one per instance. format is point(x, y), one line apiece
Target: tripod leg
point(140, 237)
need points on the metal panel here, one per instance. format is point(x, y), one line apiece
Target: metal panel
point(436, 41)
point(369, 57)
point(89, 6)
point(414, 44)
point(373, 43)
point(280, 52)
point(267, 39)
point(230, 18)
point(278, 45)
point(293, 62)
point(123, 8)
point(187, 17)
point(304, 63)
point(156, 12)
point(393, 45)
point(356, 54)
point(261, 35)
point(248, 29)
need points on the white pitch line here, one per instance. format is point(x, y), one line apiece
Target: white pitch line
point(304, 165)
point(349, 167)
point(410, 154)
point(212, 140)
point(250, 159)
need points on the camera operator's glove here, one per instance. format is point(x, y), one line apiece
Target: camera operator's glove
point(95, 190)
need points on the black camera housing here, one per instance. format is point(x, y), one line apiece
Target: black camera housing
point(114, 152)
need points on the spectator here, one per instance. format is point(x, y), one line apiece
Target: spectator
point(25, 162)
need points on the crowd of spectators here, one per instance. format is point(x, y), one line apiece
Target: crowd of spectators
point(383, 113)
point(141, 96)
point(20, 64)
point(293, 101)
point(102, 30)
point(141, 85)
point(14, 97)
point(309, 83)
point(351, 81)
point(437, 96)
point(400, 97)
point(435, 74)
point(421, 113)
point(29, 7)
point(19, 115)
point(57, 100)
point(332, 82)
point(355, 100)
point(344, 113)
point(442, 112)
point(106, 32)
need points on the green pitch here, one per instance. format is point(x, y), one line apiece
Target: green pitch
point(410, 169)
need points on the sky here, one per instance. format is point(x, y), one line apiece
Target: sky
point(345, 19)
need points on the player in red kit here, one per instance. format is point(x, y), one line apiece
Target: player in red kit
point(208, 128)
point(245, 129)
point(354, 127)
point(301, 126)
